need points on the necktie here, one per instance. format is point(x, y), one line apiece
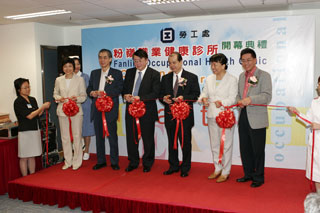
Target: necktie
point(176, 86)
point(138, 83)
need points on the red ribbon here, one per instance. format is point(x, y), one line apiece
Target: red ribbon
point(222, 140)
point(180, 111)
point(47, 137)
point(137, 109)
point(104, 104)
point(70, 108)
point(225, 119)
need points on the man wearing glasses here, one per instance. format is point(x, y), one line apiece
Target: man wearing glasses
point(254, 87)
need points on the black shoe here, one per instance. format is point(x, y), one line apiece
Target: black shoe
point(170, 171)
point(184, 174)
point(130, 168)
point(115, 167)
point(244, 179)
point(99, 166)
point(255, 184)
point(146, 169)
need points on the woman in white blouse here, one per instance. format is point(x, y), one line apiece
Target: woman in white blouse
point(70, 86)
point(220, 90)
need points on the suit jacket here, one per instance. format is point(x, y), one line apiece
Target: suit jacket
point(77, 88)
point(259, 94)
point(113, 90)
point(148, 91)
point(226, 92)
point(190, 91)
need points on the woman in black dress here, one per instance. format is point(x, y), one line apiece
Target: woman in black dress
point(29, 138)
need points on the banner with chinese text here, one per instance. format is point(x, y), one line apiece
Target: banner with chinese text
point(285, 48)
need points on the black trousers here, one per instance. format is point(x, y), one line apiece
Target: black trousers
point(186, 150)
point(147, 135)
point(100, 140)
point(252, 148)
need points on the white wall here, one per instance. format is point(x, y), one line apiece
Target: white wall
point(17, 59)
point(46, 35)
point(20, 57)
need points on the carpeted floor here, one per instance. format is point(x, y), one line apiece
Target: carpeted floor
point(284, 190)
point(8, 205)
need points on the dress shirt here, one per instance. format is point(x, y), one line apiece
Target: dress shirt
point(102, 82)
point(175, 76)
point(68, 80)
point(246, 85)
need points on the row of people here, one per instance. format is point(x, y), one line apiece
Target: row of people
point(142, 82)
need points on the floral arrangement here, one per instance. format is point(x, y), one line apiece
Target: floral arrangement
point(109, 79)
point(182, 82)
point(253, 81)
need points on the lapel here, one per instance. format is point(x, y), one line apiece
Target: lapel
point(214, 83)
point(132, 80)
point(97, 80)
point(106, 85)
point(242, 82)
point(170, 82)
point(63, 84)
point(144, 79)
point(181, 89)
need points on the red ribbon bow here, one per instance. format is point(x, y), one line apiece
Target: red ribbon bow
point(225, 119)
point(137, 109)
point(70, 108)
point(180, 111)
point(104, 104)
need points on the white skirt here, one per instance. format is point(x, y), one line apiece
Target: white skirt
point(29, 144)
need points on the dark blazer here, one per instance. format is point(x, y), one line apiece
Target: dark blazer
point(148, 91)
point(190, 91)
point(113, 90)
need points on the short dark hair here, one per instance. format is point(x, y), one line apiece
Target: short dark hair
point(140, 53)
point(318, 79)
point(248, 51)
point(220, 58)
point(179, 57)
point(68, 60)
point(77, 59)
point(109, 53)
point(18, 83)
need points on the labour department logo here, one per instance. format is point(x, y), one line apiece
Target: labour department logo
point(167, 35)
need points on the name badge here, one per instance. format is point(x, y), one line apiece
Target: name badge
point(29, 106)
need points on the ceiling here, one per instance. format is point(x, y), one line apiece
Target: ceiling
point(86, 12)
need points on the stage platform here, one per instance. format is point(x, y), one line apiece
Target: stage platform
point(119, 191)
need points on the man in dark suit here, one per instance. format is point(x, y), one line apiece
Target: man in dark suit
point(176, 86)
point(255, 87)
point(141, 82)
point(110, 81)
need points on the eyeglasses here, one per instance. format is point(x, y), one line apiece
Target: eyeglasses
point(246, 61)
point(26, 87)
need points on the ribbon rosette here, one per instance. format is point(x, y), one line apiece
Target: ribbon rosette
point(70, 108)
point(104, 104)
point(225, 119)
point(137, 109)
point(180, 111)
